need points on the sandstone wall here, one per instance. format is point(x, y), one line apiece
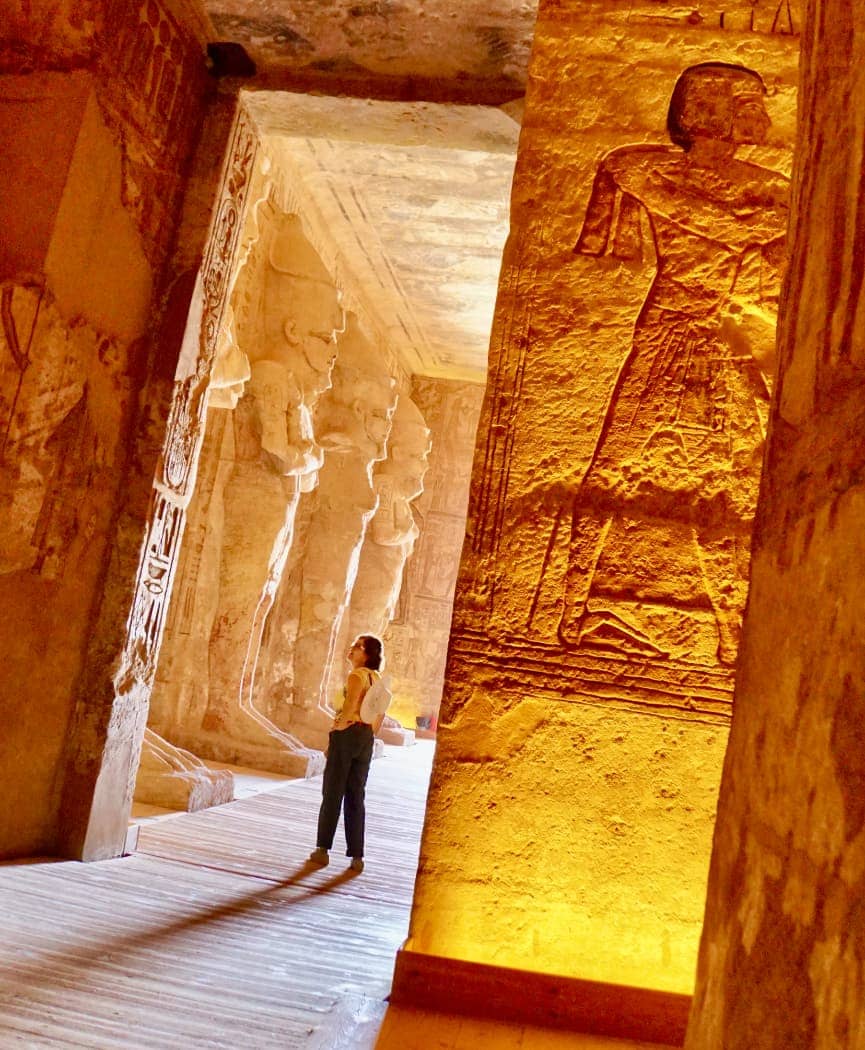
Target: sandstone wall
point(781, 959)
point(102, 104)
point(588, 690)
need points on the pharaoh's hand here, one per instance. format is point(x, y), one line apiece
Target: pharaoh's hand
point(750, 332)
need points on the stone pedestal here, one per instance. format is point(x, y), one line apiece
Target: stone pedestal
point(173, 778)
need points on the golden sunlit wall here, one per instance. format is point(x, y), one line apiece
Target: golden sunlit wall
point(604, 576)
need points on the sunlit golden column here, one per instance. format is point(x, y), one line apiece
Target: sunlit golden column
point(604, 575)
point(784, 920)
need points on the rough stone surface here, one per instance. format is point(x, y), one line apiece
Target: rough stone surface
point(103, 150)
point(589, 682)
point(783, 942)
point(393, 532)
point(409, 209)
point(285, 312)
point(396, 45)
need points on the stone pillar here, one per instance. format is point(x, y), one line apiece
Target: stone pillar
point(416, 640)
point(354, 422)
point(389, 542)
point(781, 960)
point(285, 311)
point(589, 682)
point(99, 119)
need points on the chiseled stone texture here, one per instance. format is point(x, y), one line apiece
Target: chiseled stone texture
point(414, 200)
point(388, 544)
point(93, 169)
point(781, 961)
point(588, 690)
point(416, 641)
point(393, 532)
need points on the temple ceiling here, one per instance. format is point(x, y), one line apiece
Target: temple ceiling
point(399, 120)
point(412, 200)
point(475, 49)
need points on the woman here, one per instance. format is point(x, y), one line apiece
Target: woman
point(349, 754)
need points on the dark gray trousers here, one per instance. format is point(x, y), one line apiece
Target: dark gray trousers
point(349, 754)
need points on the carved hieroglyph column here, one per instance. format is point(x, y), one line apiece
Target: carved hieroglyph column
point(781, 960)
point(286, 313)
point(588, 690)
point(354, 422)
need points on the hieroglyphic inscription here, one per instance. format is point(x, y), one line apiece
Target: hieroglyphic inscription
point(153, 586)
point(185, 429)
point(782, 17)
point(186, 422)
point(154, 77)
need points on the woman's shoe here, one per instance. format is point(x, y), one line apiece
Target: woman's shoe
point(356, 864)
point(320, 857)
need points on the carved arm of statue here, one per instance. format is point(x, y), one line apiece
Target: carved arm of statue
point(749, 318)
point(393, 523)
point(283, 421)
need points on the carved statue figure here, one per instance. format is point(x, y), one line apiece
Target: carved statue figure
point(392, 533)
point(677, 462)
point(287, 314)
point(355, 424)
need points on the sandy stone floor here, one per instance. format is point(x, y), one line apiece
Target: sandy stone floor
point(215, 934)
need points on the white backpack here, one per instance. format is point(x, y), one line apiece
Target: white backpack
point(376, 701)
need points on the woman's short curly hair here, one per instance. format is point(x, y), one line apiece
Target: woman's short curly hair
point(373, 650)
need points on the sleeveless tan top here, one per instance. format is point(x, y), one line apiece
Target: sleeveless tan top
point(349, 714)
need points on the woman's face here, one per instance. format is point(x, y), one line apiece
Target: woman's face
point(357, 654)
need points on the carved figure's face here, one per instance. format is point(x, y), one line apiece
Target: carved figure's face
point(313, 318)
point(375, 412)
point(722, 104)
point(409, 452)
point(302, 309)
point(750, 122)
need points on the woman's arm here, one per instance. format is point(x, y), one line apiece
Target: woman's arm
point(354, 689)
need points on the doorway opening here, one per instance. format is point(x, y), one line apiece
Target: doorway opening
point(332, 484)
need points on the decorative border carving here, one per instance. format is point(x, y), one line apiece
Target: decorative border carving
point(185, 427)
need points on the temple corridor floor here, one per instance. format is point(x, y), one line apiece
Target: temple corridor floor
point(215, 934)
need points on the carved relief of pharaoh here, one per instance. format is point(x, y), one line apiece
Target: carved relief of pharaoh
point(392, 533)
point(289, 338)
point(661, 519)
point(355, 423)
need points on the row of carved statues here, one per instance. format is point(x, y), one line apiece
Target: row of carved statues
point(297, 534)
